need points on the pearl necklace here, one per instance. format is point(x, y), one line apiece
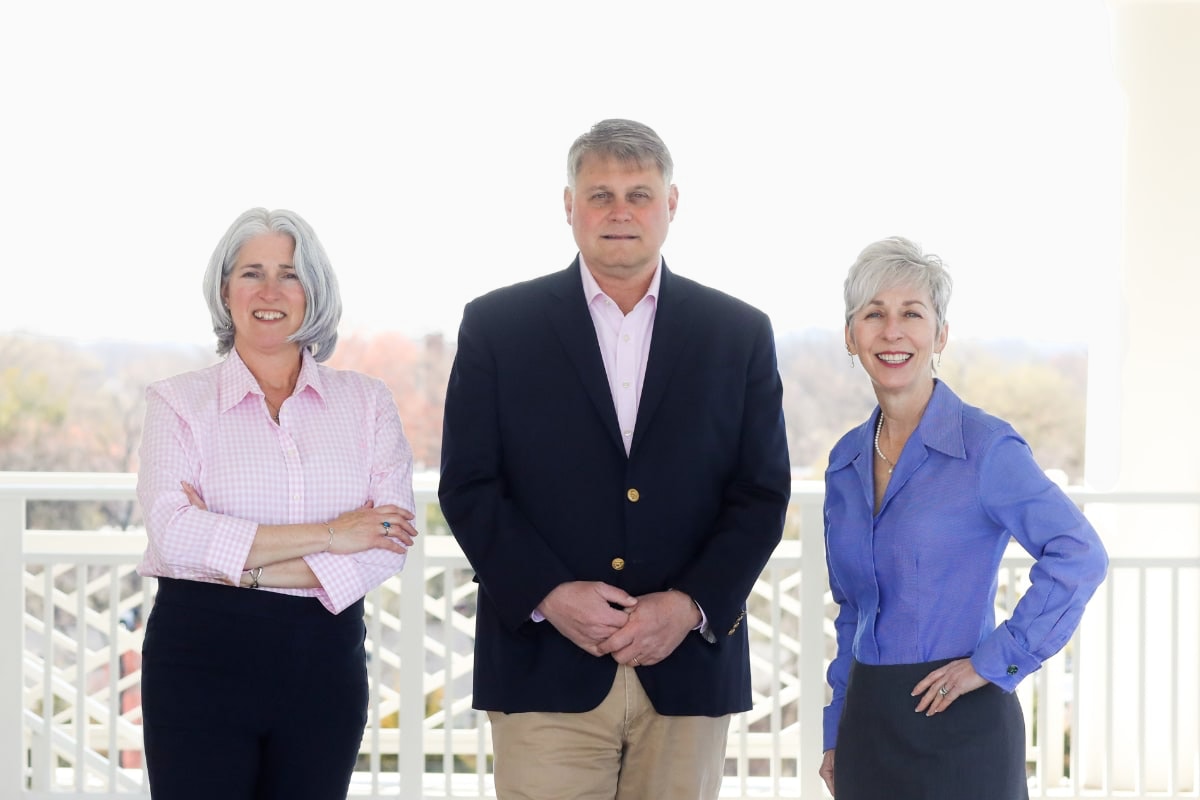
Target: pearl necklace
point(878, 428)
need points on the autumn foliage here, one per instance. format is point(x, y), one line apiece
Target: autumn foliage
point(67, 406)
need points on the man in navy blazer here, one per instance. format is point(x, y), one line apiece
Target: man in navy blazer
point(615, 467)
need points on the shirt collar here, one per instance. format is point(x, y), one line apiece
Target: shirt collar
point(592, 290)
point(940, 428)
point(235, 380)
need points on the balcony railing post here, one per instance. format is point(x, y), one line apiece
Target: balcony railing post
point(412, 668)
point(813, 582)
point(12, 685)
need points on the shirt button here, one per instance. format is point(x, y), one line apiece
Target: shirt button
point(634, 495)
point(627, 434)
point(618, 564)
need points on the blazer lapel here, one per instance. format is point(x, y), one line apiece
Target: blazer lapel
point(573, 325)
point(671, 328)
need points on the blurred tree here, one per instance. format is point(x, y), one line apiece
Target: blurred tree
point(67, 407)
point(29, 411)
point(36, 392)
point(416, 373)
point(72, 407)
point(823, 397)
point(1042, 393)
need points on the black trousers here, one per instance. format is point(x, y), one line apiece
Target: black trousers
point(974, 750)
point(251, 695)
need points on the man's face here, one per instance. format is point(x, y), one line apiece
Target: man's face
point(620, 212)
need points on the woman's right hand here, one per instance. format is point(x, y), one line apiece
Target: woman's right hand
point(193, 496)
point(364, 529)
point(827, 771)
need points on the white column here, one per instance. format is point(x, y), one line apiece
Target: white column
point(1157, 56)
point(1142, 405)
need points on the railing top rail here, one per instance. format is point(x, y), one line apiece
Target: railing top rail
point(1097, 496)
point(122, 485)
point(68, 485)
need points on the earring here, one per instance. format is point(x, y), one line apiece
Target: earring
point(851, 357)
point(938, 365)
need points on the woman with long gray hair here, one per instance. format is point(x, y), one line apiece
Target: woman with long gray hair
point(277, 492)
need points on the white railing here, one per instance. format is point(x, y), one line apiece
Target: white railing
point(1116, 714)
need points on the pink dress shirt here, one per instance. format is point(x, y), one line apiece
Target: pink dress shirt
point(338, 444)
point(624, 341)
point(625, 347)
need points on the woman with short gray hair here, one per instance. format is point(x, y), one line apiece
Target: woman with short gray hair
point(920, 502)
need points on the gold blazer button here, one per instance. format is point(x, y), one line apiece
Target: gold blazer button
point(633, 495)
point(618, 564)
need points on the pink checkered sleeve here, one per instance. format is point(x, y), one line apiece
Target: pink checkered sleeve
point(345, 578)
point(183, 541)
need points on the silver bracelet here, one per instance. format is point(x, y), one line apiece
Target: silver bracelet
point(329, 544)
point(255, 574)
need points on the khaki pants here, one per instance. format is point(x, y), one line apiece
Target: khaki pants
point(621, 750)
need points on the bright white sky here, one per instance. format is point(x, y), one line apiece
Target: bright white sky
point(426, 143)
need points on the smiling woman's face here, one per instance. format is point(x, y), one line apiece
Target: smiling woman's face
point(265, 299)
point(895, 336)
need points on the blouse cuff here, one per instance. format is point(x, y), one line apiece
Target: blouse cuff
point(1002, 661)
point(833, 715)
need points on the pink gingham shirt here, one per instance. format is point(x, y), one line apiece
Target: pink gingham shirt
point(624, 341)
point(338, 444)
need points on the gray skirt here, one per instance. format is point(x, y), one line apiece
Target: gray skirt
point(974, 749)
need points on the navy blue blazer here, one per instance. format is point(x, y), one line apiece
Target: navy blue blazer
point(538, 490)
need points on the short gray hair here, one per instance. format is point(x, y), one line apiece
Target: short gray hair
point(323, 301)
point(624, 140)
point(893, 262)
